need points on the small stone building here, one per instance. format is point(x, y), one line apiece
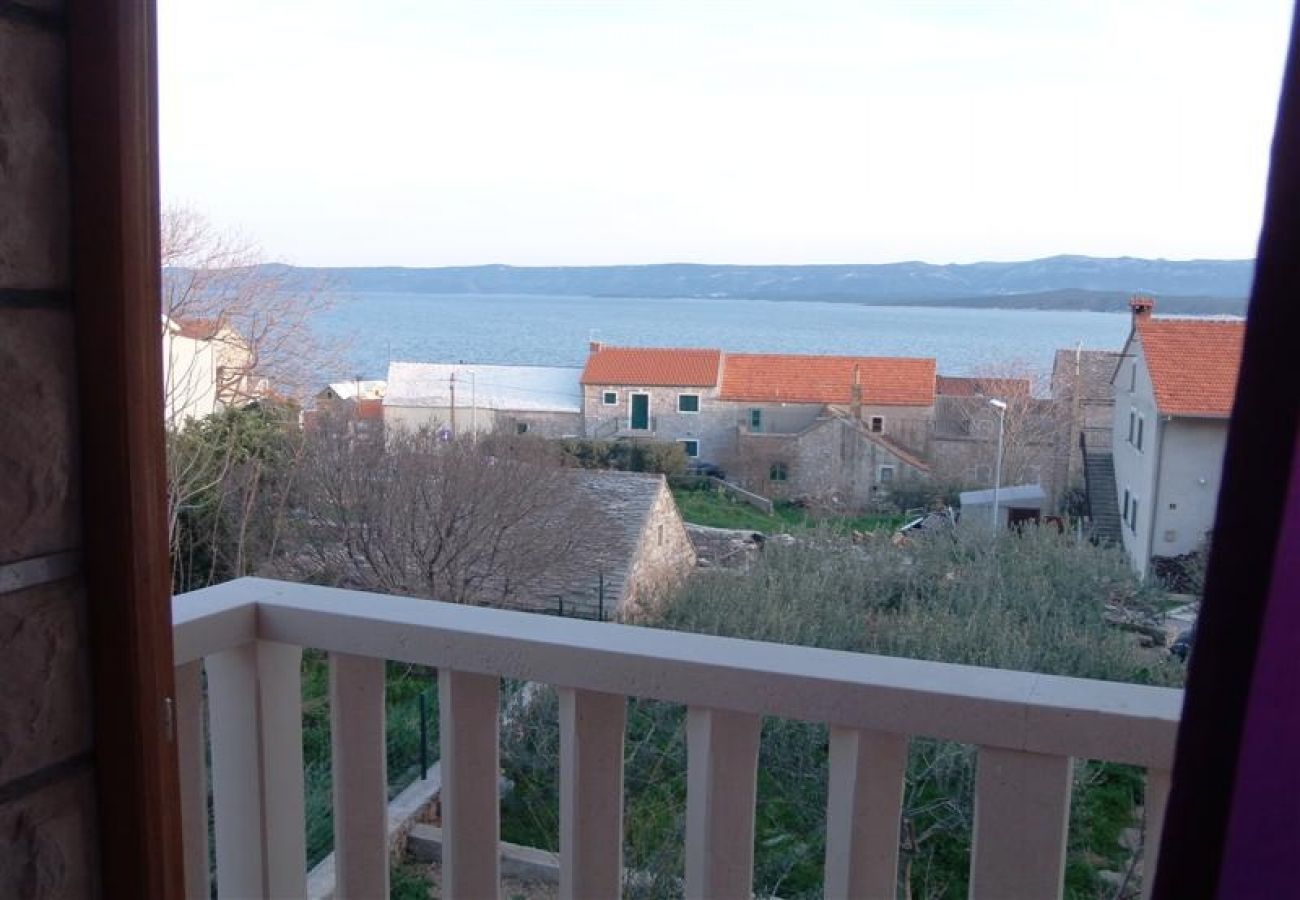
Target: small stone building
point(637, 550)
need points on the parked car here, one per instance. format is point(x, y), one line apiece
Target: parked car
point(706, 468)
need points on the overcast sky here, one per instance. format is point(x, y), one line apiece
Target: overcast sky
point(422, 133)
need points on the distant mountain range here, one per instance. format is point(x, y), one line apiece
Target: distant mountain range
point(1057, 282)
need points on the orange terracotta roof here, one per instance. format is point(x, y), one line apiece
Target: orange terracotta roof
point(982, 386)
point(652, 367)
point(790, 378)
point(1193, 363)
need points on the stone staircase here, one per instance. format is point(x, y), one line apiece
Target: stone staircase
point(1103, 501)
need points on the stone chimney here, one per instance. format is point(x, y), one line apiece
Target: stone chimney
point(1142, 305)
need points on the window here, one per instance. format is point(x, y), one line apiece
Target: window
point(778, 472)
point(1133, 519)
point(688, 403)
point(521, 428)
point(692, 448)
point(609, 398)
point(877, 424)
point(1138, 444)
point(755, 420)
point(983, 474)
point(1132, 424)
point(886, 474)
point(1126, 504)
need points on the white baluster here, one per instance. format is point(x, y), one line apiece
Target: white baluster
point(360, 776)
point(591, 793)
point(192, 760)
point(255, 716)
point(863, 813)
point(722, 763)
point(1022, 812)
point(1153, 807)
point(471, 807)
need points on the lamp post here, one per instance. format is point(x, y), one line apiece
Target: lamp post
point(1001, 407)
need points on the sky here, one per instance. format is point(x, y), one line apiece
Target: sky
point(429, 133)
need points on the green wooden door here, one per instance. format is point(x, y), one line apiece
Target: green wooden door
point(640, 412)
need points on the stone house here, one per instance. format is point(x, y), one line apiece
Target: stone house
point(1174, 391)
point(1081, 384)
point(836, 460)
point(461, 398)
point(664, 394)
point(964, 446)
point(624, 563)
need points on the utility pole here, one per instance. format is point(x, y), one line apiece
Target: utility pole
point(1001, 407)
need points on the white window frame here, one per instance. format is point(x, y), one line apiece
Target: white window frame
point(688, 412)
point(604, 398)
point(785, 471)
point(685, 441)
point(750, 416)
point(880, 474)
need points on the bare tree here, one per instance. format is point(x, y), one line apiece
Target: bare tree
point(1030, 425)
point(235, 330)
point(457, 520)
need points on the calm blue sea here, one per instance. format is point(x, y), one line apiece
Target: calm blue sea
point(546, 330)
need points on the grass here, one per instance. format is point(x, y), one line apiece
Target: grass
point(717, 509)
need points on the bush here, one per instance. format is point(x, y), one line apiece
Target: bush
point(660, 457)
point(1032, 602)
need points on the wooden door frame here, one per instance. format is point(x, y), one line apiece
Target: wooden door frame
point(113, 157)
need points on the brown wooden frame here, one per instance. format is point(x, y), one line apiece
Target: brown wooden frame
point(114, 178)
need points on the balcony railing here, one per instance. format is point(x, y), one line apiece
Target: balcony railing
point(249, 636)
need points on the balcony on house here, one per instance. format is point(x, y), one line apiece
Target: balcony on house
point(249, 635)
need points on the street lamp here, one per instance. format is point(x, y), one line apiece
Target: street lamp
point(1001, 407)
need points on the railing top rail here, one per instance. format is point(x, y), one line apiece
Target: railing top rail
point(991, 707)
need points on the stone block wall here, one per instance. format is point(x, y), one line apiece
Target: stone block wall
point(714, 426)
point(47, 804)
point(665, 556)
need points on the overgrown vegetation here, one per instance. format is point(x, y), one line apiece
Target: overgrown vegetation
point(660, 457)
point(1031, 602)
point(707, 505)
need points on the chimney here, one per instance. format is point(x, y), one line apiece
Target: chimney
point(855, 403)
point(1142, 305)
point(595, 347)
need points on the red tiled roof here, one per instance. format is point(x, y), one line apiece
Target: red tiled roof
point(980, 386)
point(1193, 363)
point(652, 367)
point(790, 378)
point(198, 329)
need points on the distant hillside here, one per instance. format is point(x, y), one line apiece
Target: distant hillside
point(1058, 282)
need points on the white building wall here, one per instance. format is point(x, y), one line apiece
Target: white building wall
point(1135, 469)
point(1188, 490)
point(189, 378)
point(413, 418)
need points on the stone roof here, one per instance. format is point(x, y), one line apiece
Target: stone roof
point(623, 502)
point(1096, 373)
point(515, 388)
point(798, 378)
point(982, 386)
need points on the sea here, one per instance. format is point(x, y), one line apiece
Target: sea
point(530, 329)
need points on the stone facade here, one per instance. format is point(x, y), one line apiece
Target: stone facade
point(832, 461)
point(664, 556)
point(47, 803)
point(1081, 383)
point(543, 423)
point(713, 427)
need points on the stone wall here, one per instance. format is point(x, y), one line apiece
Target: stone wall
point(664, 558)
point(714, 426)
point(47, 818)
point(832, 462)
